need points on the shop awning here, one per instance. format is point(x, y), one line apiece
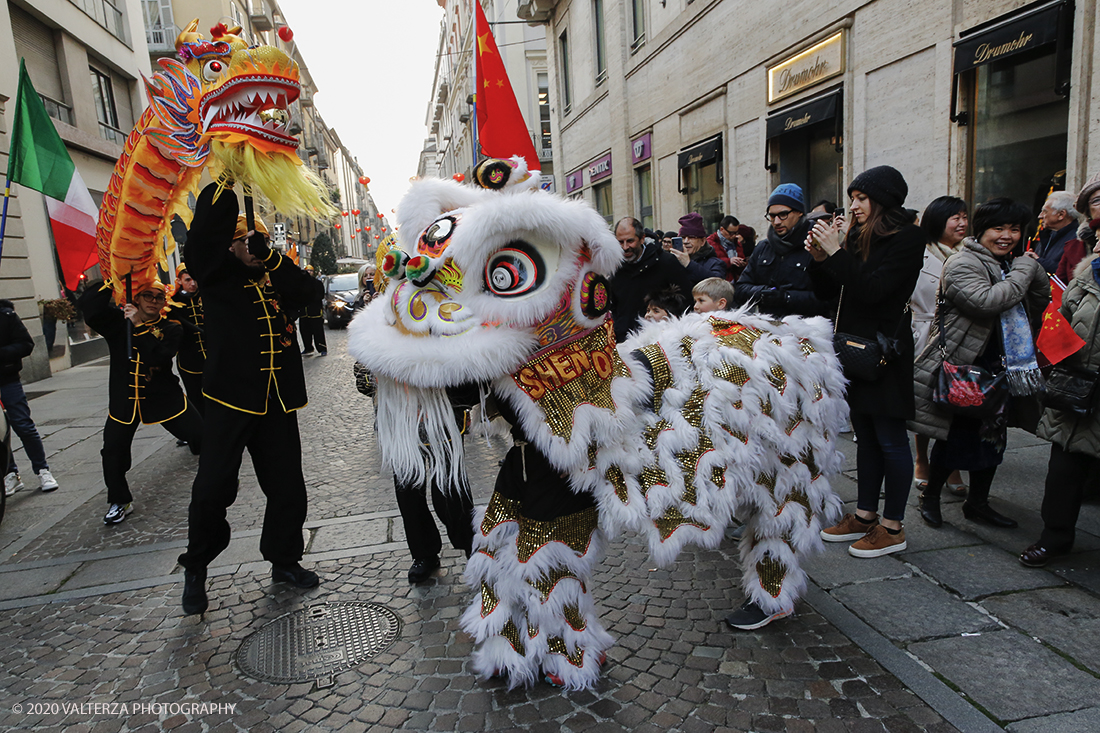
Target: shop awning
point(803, 115)
point(705, 152)
point(1018, 33)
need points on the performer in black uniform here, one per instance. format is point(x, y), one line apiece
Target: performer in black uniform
point(312, 321)
point(253, 384)
point(454, 505)
point(185, 308)
point(141, 384)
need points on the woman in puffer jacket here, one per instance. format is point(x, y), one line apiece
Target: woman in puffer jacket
point(991, 308)
point(1075, 440)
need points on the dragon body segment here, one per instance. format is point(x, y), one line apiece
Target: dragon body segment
point(224, 105)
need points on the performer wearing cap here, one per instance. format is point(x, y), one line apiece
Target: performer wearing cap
point(185, 308)
point(312, 320)
point(253, 384)
point(141, 385)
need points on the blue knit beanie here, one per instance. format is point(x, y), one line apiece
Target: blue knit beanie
point(788, 194)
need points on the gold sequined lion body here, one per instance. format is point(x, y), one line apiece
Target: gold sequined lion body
point(668, 434)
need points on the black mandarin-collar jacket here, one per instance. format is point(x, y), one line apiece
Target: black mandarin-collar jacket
point(141, 386)
point(186, 310)
point(252, 354)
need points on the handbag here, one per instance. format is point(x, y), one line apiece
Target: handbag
point(365, 381)
point(966, 389)
point(861, 357)
point(1071, 390)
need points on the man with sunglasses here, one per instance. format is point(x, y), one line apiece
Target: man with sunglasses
point(142, 388)
point(776, 277)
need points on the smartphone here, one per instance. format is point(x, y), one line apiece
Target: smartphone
point(678, 243)
point(838, 212)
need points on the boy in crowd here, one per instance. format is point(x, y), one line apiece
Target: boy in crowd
point(665, 304)
point(712, 294)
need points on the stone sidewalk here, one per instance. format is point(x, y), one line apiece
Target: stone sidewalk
point(953, 634)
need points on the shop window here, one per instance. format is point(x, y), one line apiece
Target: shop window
point(704, 192)
point(563, 60)
point(601, 192)
point(643, 185)
point(1021, 129)
point(810, 158)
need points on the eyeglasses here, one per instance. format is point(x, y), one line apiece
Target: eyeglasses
point(154, 297)
point(780, 215)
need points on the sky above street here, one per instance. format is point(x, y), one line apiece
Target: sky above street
point(372, 62)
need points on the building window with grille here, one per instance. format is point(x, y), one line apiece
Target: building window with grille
point(638, 19)
point(601, 49)
point(566, 87)
point(545, 142)
point(104, 96)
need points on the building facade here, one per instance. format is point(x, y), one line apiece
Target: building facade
point(661, 107)
point(452, 117)
point(85, 59)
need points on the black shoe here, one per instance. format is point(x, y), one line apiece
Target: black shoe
point(194, 592)
point(422, 569)
point(307, 352)
point(180, 443)
point(987, 514)
point(751, 616)
point(1037, 556)
point(930, 510)
point(294, 574)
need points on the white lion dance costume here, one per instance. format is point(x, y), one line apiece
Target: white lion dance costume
point(668, 434)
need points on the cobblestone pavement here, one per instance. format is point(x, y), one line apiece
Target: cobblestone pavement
point(119, 636)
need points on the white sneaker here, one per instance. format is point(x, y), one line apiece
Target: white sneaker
point(12, 483)
point(49, 483)
point(117, 513)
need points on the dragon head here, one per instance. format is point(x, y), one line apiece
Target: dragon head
point(481, 279)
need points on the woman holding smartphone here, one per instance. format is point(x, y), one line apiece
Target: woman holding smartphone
point(873, 275)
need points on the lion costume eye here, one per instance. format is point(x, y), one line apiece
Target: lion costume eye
point(212, 69)
point(514, 270)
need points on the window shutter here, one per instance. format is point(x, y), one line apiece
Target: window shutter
point(34, 41)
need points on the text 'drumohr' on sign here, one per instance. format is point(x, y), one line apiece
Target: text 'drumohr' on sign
point(819, 62)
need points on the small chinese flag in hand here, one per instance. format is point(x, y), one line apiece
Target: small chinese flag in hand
point(1057, 340)
point(501, 130)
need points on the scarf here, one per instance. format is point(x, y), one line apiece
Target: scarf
point(1096, 270)
point(794, 238)
point(1021, 366)
point(941, 250)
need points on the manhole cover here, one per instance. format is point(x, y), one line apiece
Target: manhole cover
point(317, 642)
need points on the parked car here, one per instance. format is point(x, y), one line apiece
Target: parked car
point(340, 292)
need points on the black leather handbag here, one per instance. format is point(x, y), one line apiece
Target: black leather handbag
point(861, 357)
point(1071, 390)
point(966, 389)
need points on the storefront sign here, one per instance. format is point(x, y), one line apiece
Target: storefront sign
point(704, 152)
point(574, 180)
point(813, 66)
point(641, 148)
point(600, 168)
point(1008, 37)
point(803, 115)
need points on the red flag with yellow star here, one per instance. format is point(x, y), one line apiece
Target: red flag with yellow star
point(502, 132)
point(1057, 339)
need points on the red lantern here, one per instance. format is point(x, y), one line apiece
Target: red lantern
point(337, 226)
point(364, 180)
point(357, 230)
point(368, 229)
point(343, 213)
point(286, 34)
point(459, 177)
point(383, 230)
point(380, 214)
point(376, 236)
point(355, 211)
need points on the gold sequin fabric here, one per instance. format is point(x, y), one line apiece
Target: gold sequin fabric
point(732, 373)
point(546, 583)
point(771, 573)
point(500, 510)
point(489, 600)
point(735, 335)
point(579, 371)
point(672, 520)
point(511, 633)
point(615, 477)
point(574, 618)
point(556, 645)
point(652, 476)
point(574, 530)
point(661, 370)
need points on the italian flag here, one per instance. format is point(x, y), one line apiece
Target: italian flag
point(38, 160)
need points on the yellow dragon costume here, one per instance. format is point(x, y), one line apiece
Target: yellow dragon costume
point(222, 104)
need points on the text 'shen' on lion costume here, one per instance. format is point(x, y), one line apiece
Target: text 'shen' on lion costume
point(673, 432)
point(223, 104)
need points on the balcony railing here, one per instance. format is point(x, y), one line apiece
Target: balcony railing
point(112, 134)
point(106, 14)
point(57, 110)
point(542, 147)
point(162, 40)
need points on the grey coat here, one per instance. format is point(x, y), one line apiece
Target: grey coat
point(974, 298)
point(1081, 307)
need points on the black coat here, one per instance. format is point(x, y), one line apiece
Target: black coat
point(251, 352)
point(780, 282)
point(140, 386)
point(186, 310)
point(15, 343)
point(875, 300)
point(654, 270)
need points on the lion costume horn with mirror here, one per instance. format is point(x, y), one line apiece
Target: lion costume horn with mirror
point(668, 434)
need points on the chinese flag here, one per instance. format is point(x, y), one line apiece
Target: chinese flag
point(1057, 339)
point(501, 130)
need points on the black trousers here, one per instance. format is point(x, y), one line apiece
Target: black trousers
point(118, 439)
point(1067, 474)
point(313, 333)
point(273, 442)
point(454, 507)
point(192, 385)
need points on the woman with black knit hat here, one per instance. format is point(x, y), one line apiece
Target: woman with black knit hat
point(873, 275)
